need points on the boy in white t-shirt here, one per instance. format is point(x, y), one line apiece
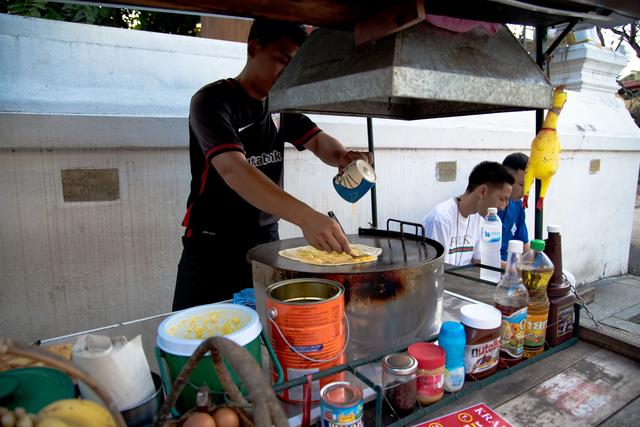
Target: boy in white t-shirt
point(456, 222)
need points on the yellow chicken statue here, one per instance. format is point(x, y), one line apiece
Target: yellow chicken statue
point(545, 151)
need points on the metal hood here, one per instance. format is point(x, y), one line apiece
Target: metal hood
point(421, 72)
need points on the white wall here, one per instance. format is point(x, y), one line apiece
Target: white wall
point(77, 96)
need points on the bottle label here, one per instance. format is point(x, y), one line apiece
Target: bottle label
point(536, 330)
point(481, 357)
point(512, 333)
point(491, 235)
point(430, 385)
point(564, 323)
point(453, 379)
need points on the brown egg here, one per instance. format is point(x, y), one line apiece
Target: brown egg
point(226, 417)
point(199, 419)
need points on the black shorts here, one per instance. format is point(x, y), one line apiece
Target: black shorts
point(213, 267)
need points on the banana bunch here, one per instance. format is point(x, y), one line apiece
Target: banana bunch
point(62, 413)
point(74, 413)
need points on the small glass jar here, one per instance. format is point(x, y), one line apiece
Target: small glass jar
point(399, 382)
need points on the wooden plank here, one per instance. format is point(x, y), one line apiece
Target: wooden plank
point(235, 30)
point(513, 385)
point(626, 417)
point(610, 338)
point(397, 18)
point(321, 13)
point(586, 394)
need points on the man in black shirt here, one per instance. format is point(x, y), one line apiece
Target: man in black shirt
point(236, 151)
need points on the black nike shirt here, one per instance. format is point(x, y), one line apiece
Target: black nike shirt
point(224, 117)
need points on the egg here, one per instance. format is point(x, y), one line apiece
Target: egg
point(226, 417)
point(199, 419)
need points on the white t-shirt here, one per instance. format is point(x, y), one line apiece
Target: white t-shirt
point(460, 236)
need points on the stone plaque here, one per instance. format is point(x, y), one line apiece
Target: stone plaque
point(594, 166)
point(90, 185)
point(446, 171)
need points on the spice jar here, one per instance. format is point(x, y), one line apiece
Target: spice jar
point(399, 382)
point(430, 373)
point(482, 329)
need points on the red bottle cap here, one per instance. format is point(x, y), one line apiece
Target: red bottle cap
point(428, 355)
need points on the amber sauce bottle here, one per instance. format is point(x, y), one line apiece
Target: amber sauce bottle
point(561, 297)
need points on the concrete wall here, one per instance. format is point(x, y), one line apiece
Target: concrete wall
point(75, 96)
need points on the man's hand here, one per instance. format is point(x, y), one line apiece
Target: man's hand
point(351, 156)
point(332, 152)
point(324, 233)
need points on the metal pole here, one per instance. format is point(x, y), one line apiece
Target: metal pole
point(539, 118)
point(374, 200)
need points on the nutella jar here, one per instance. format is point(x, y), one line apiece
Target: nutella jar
point(482, 329)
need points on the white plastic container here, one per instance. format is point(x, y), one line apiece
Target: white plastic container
point(490, 244)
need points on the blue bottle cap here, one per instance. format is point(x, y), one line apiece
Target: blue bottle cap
point(452, 329)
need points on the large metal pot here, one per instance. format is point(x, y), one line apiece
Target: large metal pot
point(389, 303)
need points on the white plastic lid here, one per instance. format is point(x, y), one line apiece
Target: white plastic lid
point(515, 246)
point(185, 347)
point(492, 210)
point(480, 316)
point(553, 228)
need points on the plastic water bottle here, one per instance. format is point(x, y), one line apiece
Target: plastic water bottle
point(490, 245)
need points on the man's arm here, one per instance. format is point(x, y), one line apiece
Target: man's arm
point(523, 232)
point(332, 152)
point(256, 188)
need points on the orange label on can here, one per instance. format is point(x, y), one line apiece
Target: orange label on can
point(536, 330)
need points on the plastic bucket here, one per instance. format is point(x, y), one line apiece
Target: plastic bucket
point(180, 334)
point(308, 330)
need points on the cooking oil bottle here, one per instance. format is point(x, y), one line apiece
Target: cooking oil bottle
point(511, 298)
point(537, 270)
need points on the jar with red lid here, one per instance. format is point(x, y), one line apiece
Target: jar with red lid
point(482, 328)
point(430, 373)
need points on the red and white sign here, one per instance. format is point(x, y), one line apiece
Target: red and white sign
point(479, 415)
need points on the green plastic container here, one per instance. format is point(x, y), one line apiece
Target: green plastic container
point(176, 342)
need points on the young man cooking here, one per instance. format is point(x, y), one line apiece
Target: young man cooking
point(456, 223)
point(513, 217)
point(236, 151)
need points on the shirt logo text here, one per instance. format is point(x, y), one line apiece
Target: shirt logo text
point(265, 159)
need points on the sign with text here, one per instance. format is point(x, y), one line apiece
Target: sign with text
point(479, 415)
point(90, 185)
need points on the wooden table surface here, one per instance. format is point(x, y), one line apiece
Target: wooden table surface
point(583, 385)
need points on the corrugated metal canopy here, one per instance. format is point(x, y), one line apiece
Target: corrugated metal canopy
point(421, 72)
